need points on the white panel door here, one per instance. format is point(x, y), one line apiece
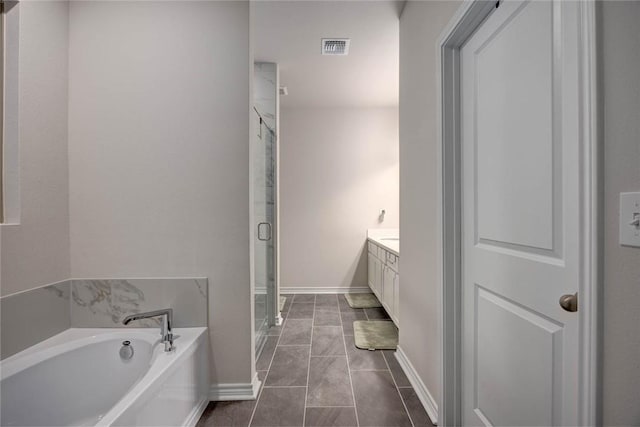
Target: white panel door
point(520, 186)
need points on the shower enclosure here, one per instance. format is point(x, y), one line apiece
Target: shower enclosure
point(264, 217)
point(264, 230)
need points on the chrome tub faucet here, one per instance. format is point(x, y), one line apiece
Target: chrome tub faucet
point(165, 328)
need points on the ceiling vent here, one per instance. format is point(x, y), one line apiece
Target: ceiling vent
point(335, 46)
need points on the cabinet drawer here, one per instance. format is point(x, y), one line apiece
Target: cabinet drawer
point(378, 251)
point(382, 254)
point(373, 248)
point(392, 261)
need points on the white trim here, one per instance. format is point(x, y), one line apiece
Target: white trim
point(279, 319)
point(235, 391)
point(323, 290)
point(196, 413)
point(590, 411)
point(276, 202)
point(426, 398)
point(466, 20)
point(470, 14)
point(11, 110)
point(252, 215)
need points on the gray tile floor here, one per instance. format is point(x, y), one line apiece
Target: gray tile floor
point(313, 375)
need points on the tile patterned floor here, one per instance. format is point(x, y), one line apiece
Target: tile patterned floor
point(313, 375)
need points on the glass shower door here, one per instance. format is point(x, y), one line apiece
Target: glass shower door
point(264, 230)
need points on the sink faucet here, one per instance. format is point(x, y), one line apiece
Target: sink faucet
point(165, 328)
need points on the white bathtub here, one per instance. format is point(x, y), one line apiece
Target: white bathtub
point(78, 378)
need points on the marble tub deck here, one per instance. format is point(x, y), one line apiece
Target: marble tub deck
point(313, 375)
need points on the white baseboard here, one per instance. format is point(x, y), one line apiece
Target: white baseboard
point(195, 415)
point(420, 388)
point(323, 290)
point(238, 391)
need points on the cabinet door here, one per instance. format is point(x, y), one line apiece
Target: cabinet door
point(378, 285)
point(371, 270)
point(375, 274)
point(396, 299)
point(388, 293)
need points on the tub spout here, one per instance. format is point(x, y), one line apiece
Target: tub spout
point(165, 328)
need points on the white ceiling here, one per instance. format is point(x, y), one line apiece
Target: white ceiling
point(289, 33)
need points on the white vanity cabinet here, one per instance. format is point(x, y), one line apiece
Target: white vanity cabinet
point(384, 279)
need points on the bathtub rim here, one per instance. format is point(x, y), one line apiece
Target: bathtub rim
point(73, 338)
point(64, 342)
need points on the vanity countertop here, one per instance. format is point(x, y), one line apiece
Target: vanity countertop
point(387, 238)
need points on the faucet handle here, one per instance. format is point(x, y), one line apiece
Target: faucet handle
point(165, 325)
point(168, 343)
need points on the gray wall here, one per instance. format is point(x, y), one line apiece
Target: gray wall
point(621, 64)
point(159, 154)
point(420, 26)
point(338, 168)
point(35, 252)
point(32, 316)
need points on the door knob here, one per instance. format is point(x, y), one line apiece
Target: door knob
point(569, 302)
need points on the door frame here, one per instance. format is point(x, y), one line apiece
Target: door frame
point(466, 20)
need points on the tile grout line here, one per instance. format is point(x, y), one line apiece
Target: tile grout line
point(255, 407)
point(285, 386)
point(330, 355)
point(320, 406)
point(306, 395)
point(393, 378)
point(346, 353)
point(371, 370)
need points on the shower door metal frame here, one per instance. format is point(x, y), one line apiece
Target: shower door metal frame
point(272, 302)
point(273, 308)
